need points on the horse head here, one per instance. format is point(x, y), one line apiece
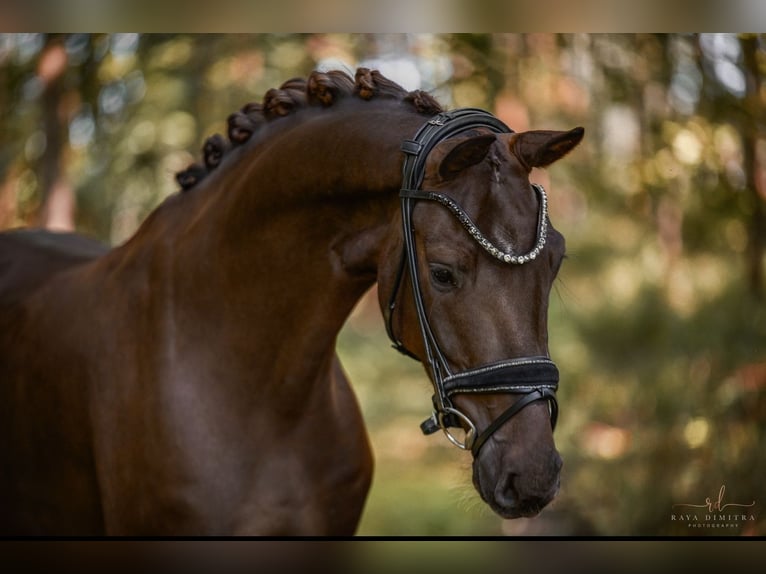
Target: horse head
point(464, 285)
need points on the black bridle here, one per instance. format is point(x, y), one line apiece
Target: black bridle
point(535, 378)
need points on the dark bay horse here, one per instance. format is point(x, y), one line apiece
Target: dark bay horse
point(186, 382)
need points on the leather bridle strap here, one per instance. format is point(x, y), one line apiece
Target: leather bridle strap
point(520, 375)
point(536, 378)
point(535, 395)
point(416, 150)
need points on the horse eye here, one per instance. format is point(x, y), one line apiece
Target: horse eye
point(443, 276)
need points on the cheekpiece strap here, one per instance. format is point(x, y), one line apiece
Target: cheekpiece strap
point(416, 150)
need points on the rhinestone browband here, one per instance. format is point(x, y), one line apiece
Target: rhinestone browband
point(486, 244)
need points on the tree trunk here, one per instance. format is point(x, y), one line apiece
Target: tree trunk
point(750, 136)
point(56, 195)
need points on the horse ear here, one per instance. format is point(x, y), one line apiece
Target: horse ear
point(540, 148)
point(466, 153)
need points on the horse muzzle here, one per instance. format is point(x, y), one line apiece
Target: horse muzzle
point(517, 472)
point(521, 494)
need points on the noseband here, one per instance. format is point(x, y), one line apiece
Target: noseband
point(534, 378)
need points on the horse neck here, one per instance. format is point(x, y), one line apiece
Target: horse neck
point(285, 240)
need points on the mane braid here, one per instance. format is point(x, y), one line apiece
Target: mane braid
point(320, 89)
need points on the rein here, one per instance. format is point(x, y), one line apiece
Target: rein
point(535, 378)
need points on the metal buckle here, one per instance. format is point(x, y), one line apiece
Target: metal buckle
point(470, 434)
point(439, 120)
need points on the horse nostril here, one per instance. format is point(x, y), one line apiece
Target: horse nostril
point(558, 463)
point(505, 493)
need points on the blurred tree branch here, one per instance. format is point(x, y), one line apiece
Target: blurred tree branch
point(56, 208)
point(752, 130)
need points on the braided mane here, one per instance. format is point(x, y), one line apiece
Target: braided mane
point(321, 89)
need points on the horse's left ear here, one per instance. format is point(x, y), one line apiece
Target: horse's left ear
point(466, 153)
point(540, 148)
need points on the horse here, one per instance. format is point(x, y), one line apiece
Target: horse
point(186, 381)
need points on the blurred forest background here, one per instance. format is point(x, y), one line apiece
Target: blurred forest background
point(658, 321)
